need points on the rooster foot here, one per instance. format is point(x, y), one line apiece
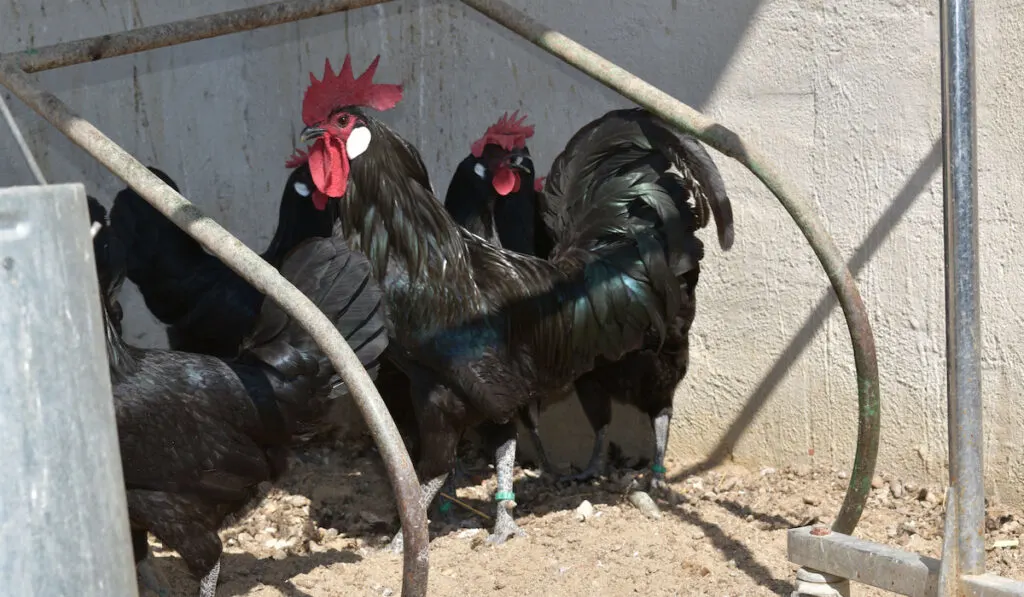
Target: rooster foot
point(428, 492)
point(587, 474)
point(504, 528)
point(397, 544)
point(151, 579)
point(657, 484)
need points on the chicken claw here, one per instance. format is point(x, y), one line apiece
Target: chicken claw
point(591, 472)
point(657, 484)
point(596, 464)
point(397, 543)
point(505, 526)
point(428, 491)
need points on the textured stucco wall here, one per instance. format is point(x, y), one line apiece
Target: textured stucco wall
point(843, 95)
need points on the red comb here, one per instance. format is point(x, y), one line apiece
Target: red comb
point(298, 158)
point(508, 133)
point(538, 184)
point(337, 91)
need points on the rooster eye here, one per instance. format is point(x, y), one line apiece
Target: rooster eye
point(343, 120)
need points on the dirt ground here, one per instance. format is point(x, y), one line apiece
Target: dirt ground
point(320, 533)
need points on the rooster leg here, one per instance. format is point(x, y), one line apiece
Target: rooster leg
point(596, 463)
point(151, 578)
point(450, 487)
point(439, 439)
point(428, 491)
point(596, 402)
point(661, 428)
point(505, 459)
point(208, 585)
point(531, 416)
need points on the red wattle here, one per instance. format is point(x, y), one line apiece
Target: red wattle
point(505, 181)
point(320, 200)
point(328, 166)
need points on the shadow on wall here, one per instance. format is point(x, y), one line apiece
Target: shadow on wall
point(901, 204)
point(630, 430)
point(159, 108)
point(694, 39)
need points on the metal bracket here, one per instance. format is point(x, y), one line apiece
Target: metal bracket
point(827, 556)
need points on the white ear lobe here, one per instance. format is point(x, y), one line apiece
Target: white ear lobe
point(480, 170)
point(301, 189)
point(358, 142)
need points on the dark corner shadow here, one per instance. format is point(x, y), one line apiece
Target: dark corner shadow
point(902, 203)
point(743, 556)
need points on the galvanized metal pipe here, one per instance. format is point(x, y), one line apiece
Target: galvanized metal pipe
point(178, 32)
point(26, 151)
point(963, 312)
point(62, 501)
point(726, 141)
point(268, 280)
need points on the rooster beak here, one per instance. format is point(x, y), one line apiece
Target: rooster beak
point(523, 163)
point(310, 133)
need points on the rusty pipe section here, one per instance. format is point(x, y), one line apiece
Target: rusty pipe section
point(179, 32)
point(263, 276)
point(729, 143)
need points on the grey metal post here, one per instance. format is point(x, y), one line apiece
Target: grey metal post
point(63, 519)
point(963, 317)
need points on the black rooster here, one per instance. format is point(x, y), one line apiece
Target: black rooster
point(482, 331)
point(492, 195)
point(198, 433)
point(207, 306)
point(646, 378)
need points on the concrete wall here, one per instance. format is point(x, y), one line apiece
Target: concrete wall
point(843, 95)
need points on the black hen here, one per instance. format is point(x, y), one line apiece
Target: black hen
point(199, 433)
point(207, 306)
point(483, 331)
point(492, 191)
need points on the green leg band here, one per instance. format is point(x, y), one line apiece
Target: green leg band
point(658, 469)
point(501, 496)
